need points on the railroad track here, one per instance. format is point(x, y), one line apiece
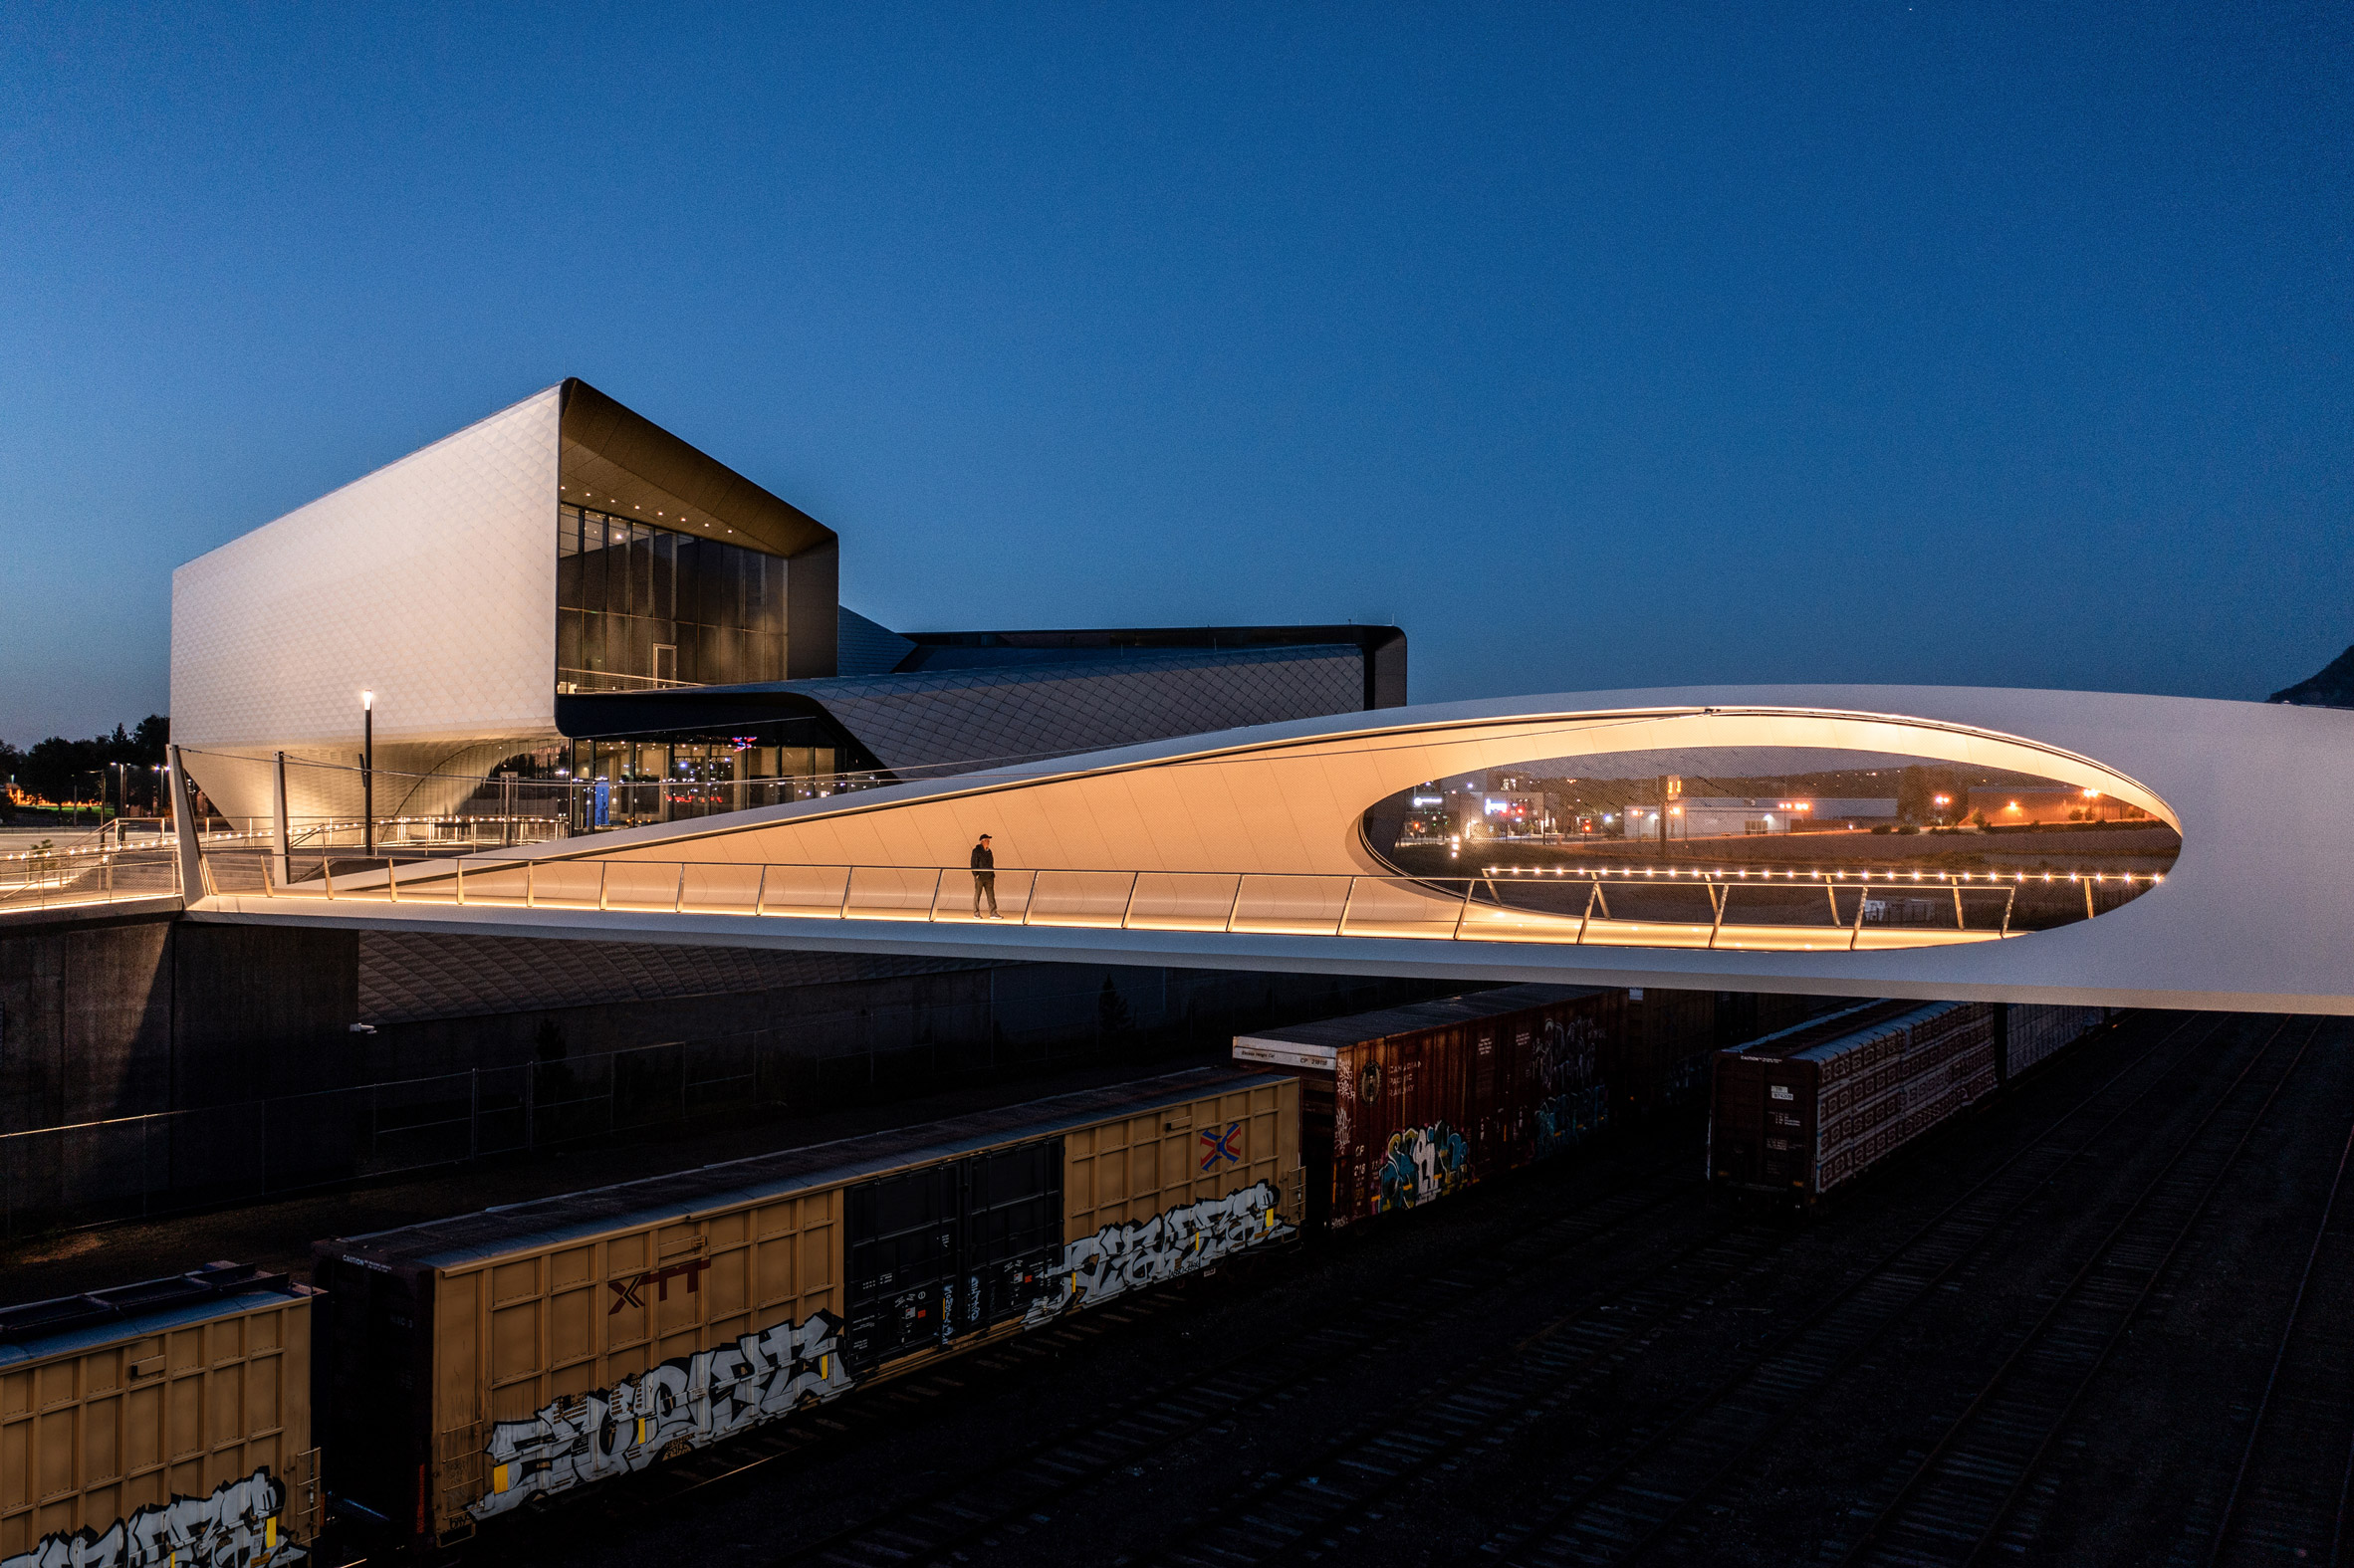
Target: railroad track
point(1609, 1178)
point(1295, 1511)
point(1126, 1430)
point(1635, 1503)
point(1530, 1380)
point(1954, 1504)
point(2289, 1494)
point(1292, 1513)
point(976, 1506)
point(876, 1412)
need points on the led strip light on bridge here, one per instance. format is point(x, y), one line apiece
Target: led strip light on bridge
point(1767, 874)
point(1255, 902)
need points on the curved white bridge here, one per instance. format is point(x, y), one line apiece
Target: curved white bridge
point(1244, 849)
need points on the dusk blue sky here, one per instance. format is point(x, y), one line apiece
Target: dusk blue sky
point(1595, 348)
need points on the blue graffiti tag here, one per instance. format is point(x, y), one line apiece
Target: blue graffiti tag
point(1421, 1165)
point(1566, 1119)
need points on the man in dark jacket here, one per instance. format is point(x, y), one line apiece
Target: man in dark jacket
point(984, 879)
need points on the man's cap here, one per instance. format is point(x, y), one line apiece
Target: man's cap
point(985, 835)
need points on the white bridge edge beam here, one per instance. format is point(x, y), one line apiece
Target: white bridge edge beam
point(2256, 914)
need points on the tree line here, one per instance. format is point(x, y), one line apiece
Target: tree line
point(60, 769)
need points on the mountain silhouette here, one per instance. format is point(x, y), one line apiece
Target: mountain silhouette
point(2332, 688)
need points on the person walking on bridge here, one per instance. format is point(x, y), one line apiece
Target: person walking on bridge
point(984, 879)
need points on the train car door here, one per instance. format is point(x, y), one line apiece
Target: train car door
point(949, 1248)
point(371, 1389)
point(1737, 1118)
point(1013, 1231)
point(901, 1253)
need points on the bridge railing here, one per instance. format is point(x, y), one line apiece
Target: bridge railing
point(90, 874)
point(1779, 909)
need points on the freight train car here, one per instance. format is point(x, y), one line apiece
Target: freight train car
point(1745, 1016)
point(469, 1366)
point(1804, 1110)
point(159, 1424)
point(2029, 1033)
point(1662, 1061)
point(1403, 1107)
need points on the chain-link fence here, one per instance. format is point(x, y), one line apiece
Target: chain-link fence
point(1019, 1023)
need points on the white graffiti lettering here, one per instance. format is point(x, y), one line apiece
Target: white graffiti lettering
point(694, 1400)
point(1123, 1257)
point(238, 1527)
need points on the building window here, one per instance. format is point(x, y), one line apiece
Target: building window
point(639, 607)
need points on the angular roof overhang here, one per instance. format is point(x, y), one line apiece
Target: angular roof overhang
point(617, 460)
point(683, 710)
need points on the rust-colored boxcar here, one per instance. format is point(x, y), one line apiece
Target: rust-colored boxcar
point(1661, 1058)
point(162, 1422)
point(476, 1363)
point(1403, 1107)
point(1801, 1111)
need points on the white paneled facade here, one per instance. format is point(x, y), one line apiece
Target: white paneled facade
point(431, 583)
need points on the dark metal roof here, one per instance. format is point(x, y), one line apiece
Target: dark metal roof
point(1001, 704)
point(1383, 648)
point(1447, 1010)
point(38, 1330)
point(1827, 1036)
point(686, 1194)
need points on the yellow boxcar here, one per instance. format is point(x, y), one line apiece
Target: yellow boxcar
point(476, 1364)
point(165, 1422)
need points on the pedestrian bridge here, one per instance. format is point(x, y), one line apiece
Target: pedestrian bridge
point(1248, 849)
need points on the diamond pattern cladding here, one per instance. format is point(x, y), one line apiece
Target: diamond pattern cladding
point(980, 716)
point(407, 976)
point(432, 581)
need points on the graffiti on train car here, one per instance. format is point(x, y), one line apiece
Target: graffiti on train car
point(1422, 1164)
point(1123, 1257)
point(1566, 1119)
point(1571, 1103)
point(235, 1527)
point(692, 1400)
point(1567, 1052)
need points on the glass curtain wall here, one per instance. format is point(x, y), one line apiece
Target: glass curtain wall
point(640, 607)
point(663, 779)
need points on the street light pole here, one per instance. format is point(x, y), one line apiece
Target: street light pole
point(367, 773)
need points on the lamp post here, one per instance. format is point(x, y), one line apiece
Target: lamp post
point(367, 774)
